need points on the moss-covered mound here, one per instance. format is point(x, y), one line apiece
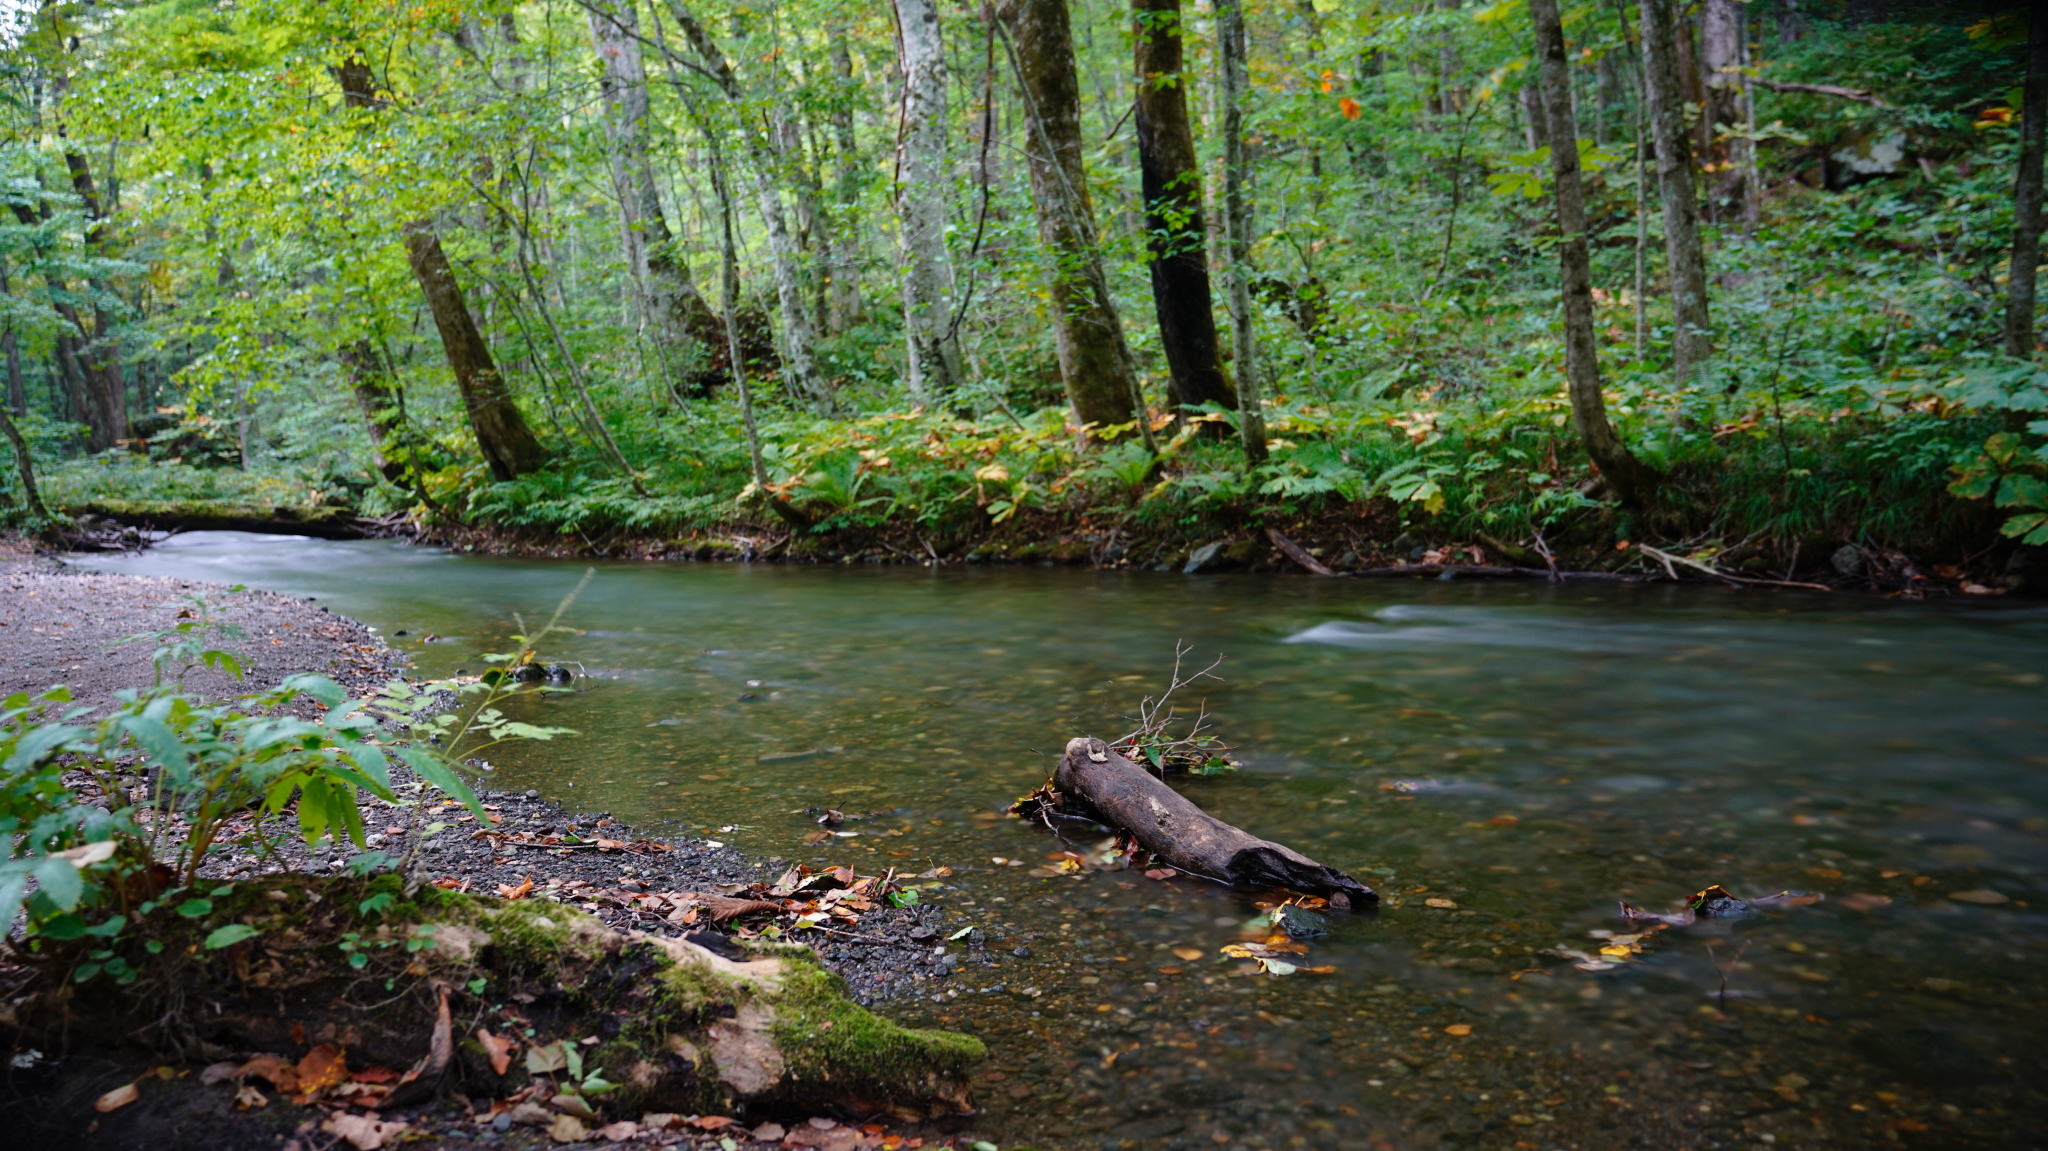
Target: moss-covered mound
point(532, 990)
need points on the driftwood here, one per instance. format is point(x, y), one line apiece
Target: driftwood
point(1183, 836)
point(1667, 559)
point(1297, 553)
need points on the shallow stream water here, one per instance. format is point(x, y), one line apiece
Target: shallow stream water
point(1528, 754)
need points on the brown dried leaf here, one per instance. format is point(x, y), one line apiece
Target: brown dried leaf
point(499, 1048)
point(520, 892)
point(280, 1073)
point(118, 1098)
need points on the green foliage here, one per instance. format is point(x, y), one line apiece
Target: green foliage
point(91, 865)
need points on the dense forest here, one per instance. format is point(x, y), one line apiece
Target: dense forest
point(1044, 278)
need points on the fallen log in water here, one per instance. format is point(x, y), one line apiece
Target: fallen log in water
point(1184, 836)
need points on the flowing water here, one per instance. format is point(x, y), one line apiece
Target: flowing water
point(1528, 755)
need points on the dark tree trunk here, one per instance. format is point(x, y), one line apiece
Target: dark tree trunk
point(507, 443)
point(2026, 192)
point(1686, 262)
point(1632, 480)
point(1171, 176)
point(17, 391)
point(24, 467)
point(1094, 363)
point(383, 406)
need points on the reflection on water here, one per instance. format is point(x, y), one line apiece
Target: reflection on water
point(1528, 754)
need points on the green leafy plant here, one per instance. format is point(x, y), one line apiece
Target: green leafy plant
point(2011, 476)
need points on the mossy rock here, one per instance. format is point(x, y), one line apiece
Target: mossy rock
point(696, 1024)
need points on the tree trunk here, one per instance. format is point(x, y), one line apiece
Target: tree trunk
point(1791, 25)
point(1178, 833)
point(507, 443)
point(1171, 177)
point(1536, 135)
point(2026, 193)
point(923, 187)
point(1237, 226)
point(382, 405)
point(1633, 482)
point(1724, 29)
point(799, 363)
point(24, 467)
point(1686, 262)
point(847, 308)
point(1094, 362)
point(686, 332)
point(98, 351)
point(17, 391)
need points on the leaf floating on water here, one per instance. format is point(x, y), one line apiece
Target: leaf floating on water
point(1864, 901)
point(1458, 1029)
point(1189, 954)
point(1980, 895)
point(1447, 904)
point(1161, 873)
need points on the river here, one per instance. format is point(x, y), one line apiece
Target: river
point(1528, 755)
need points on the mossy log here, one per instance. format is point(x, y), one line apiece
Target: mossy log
point(1178, 833)
point(332, 522)
point(698, 1024)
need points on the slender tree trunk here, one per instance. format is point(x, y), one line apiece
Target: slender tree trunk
point(1724, 31)
point(799, 339)
point(847, 308)
point(1632, 480)
point(1791, 25)
point(1237, 226)
point(1685, 259)
point(382, 406)
point(2026, 192)
point(1536, 134)
point(17, 391)
point(1094, 363)
point(922, 197)
point(686, 331)
point(1171, 177)
point(507, 443)
point(99, 351)
point(24, 467)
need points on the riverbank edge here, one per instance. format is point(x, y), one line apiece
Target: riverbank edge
point(873, 976)
point(1339, 544)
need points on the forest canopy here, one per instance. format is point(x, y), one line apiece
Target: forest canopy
point(926, 278)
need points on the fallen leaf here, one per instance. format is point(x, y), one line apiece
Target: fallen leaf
point(619, 1132)
point(119, 1097)
point(568, 1129)
point(1447, 904)
point(1982, 895)
point(1161, 873)
point(569, 1104)
point(520, 892)
point(1864, 901)
point(215, 1072)
point(541, 1060)
point(362, 1132)
point(711, 1122)
point(279, 1072)
point(375, 1075)
point(322, 1068)
point(248, 1097)
point(769, 1132)
point(1504, 821)
point(1190, 954)
point(1458, 1029)
point(1824, 873)
point(499, 1048)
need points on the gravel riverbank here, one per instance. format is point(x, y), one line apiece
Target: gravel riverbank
point(58, 626)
